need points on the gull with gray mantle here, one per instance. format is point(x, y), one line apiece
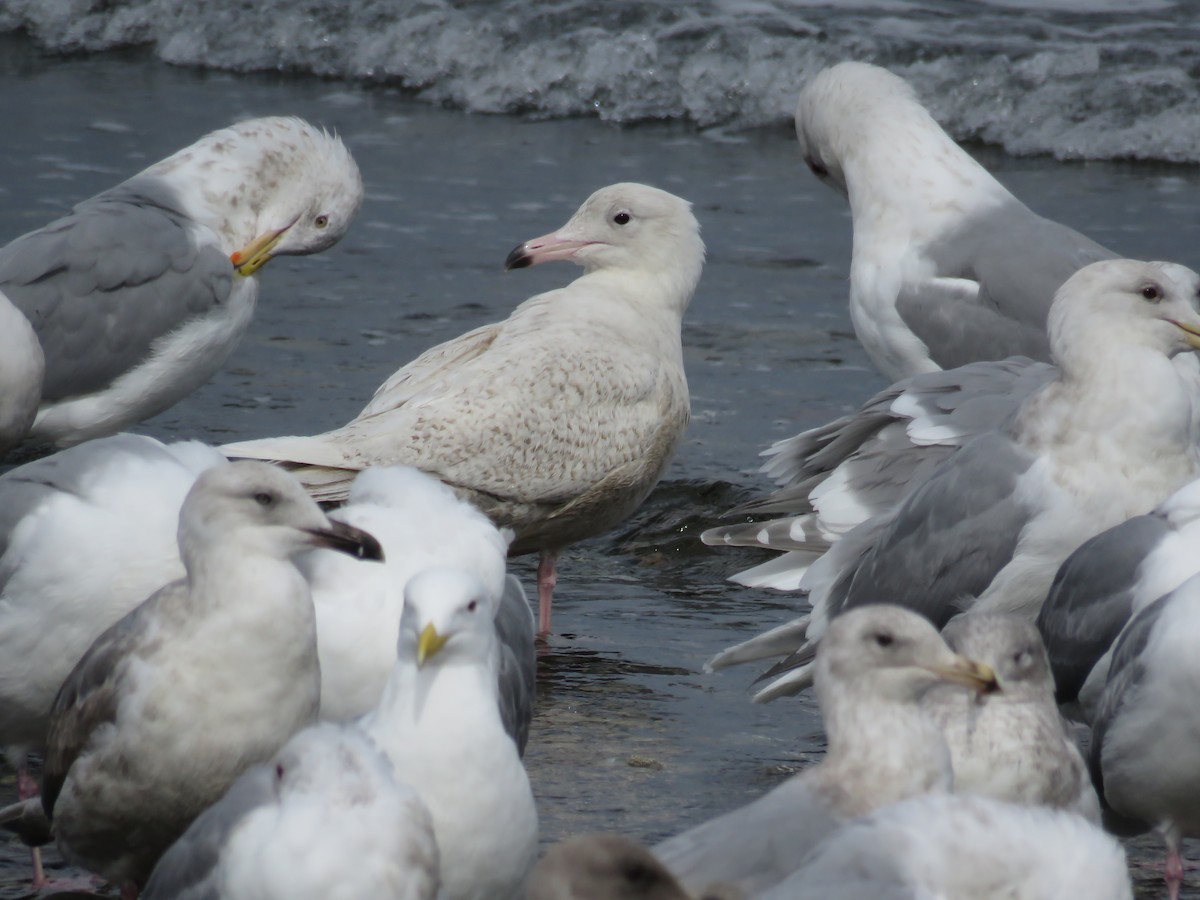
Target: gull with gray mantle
point(989, 528)
point(139, 295)
point(872, 669)
point(208, 676)
point(558, 421)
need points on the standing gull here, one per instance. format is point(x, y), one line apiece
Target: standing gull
point(1144, 752)
point(558, 421)
point(1012, 745)
point(1105, 582)
point(208, 676)
point(439, 724)
point(872, 669)
point(323, 819)
point(142, 292)
point(420, 523)
point(988, 530)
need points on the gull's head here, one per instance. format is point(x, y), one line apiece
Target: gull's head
point(1010, 645)
point(842, 105)
point(890, 652)
point(260, 509)
point(624, 226)
point(341, 763)
point(1119, 303)
point(447, 618)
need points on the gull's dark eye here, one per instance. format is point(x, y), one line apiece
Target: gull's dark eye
point(884, 640)
point(321, 221)
point(471, 606)
point(263, 498)
point(1152, 292)
point(622, 218)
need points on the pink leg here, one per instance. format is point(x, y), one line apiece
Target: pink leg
point(1173, 869)
point(547, 578)
point(27, 788)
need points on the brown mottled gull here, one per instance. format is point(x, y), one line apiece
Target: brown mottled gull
point(558, 421)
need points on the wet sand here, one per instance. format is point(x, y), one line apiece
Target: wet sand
point(629, 734)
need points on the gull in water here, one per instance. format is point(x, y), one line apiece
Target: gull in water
point(1144, 756)
point(139, 295)
point(988, 530)
point(420, 523)
point(948, 267)
point(558, 421)
point(323, 819)
point(439, 723)
point(1012, 745)
point(873, 666)
point(954, 846)
point(110, 506)
point(208, 676)
point(1105, 582)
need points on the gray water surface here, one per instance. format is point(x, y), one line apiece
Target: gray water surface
point(629, 734)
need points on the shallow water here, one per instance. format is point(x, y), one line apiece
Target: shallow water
point(629, 734)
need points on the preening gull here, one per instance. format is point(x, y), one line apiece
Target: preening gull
point(141, 293)
point(1012, 745)
point(208, 676)
point(948, 267)
point(421, 524)
point(111, 507)
point(607, 867)
point(323, 819)
point(872, 668)
point(952, 846)
point(439, 724)
point(22, 368)
point(1144, 753)
point(1109, 578)
point(558, 421)
point(988, 530)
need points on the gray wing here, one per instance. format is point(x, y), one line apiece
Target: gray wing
point(518, 662)
point(1019, 260)
point(89, 696)
point(1091, 599)
point(188, 870)
point(102, 284)
point(948, 539)
point(753, 847)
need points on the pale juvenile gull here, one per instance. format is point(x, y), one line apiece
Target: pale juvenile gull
point(421, 524)
point(948, 267)
point(1144, 755)
point(110, 507)
point(872, 668)
point(1012, 745)
point(1101, 585)
point(608, 867)
point(439, 723)
point(208, 676)
point(989, 529)
point(323, 820)
point(22, 368)
point(962, 848)
point(558, 421)
point(140, 294)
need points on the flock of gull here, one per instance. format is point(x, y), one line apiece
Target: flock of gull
point(306, 672)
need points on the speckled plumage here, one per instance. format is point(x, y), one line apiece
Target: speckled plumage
point(134, 296)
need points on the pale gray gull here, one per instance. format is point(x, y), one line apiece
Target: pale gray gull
point(208, 676)
point(953, 847)
point(1012, 745)
point(439, 724)
point(324, 819)
point(1144, 755)
point(873, 666)
point(1101, 585)
point(558, 421)
point(608, 867)
point(140, 294)
point(988, 530)
point(420, 523)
